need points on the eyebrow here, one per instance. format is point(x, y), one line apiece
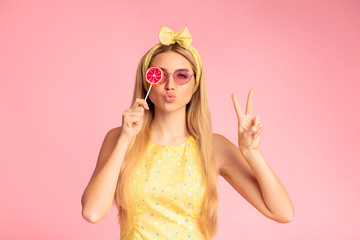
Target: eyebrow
point(176, 69)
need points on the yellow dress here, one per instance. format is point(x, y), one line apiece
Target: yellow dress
point(167, 193)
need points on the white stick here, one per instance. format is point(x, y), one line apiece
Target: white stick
point(148, 92)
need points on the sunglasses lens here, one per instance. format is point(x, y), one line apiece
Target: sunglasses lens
point(165, 77)
point(182, 77)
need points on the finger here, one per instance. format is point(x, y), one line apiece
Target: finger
point(143, 103)
point(139, 113)
point(140, 102)
point(138, 110)
point(249, 103)
point(258, 133)
point(135, 114)
point(256, 123)
point(131, 121)
point(237, 106)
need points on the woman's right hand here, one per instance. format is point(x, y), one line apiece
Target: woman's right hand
point(132, 119)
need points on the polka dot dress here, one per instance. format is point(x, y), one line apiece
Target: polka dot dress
point(167, 193)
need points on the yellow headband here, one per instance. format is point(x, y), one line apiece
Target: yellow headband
point(183, 38)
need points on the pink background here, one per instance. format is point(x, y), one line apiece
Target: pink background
point(67, 70)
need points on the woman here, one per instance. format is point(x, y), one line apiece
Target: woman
point(161, 166)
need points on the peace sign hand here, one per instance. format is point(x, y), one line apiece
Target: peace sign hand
point(249, 127)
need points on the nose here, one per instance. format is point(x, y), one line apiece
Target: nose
point(170, 83)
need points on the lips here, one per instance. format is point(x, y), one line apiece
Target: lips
point(169, 97)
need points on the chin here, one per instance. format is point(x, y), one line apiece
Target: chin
point(170, 107)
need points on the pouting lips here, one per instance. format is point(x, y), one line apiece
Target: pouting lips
point(169, 97)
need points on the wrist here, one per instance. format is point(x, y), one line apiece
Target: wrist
point(249, 151)
point(124, 140)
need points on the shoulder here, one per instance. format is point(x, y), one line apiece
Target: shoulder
point(107, 146)
point(228, 156)
point(111, 137)
point(222, 148)
point(219, 142)
point(217, 137)
point(115, 131)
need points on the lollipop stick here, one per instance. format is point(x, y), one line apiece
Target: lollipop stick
point(148, 92)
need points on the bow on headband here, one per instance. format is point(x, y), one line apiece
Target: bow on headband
point(167, 37)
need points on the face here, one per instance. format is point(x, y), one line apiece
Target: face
point(170, 96)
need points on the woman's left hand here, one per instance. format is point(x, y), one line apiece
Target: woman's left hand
point(249, 127)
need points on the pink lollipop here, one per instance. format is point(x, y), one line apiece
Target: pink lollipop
point(153, 76)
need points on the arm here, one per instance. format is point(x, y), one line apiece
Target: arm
point(98, 196)
point(247, 171)
point(250, 175)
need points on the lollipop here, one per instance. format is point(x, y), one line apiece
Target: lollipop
point(153, 76)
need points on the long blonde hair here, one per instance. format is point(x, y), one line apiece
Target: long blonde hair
point(198, 124)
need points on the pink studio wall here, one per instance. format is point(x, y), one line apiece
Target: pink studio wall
point(67, 70)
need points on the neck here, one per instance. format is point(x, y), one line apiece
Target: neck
point(169, 125)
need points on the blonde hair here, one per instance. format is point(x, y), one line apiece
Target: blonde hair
point(198, 124)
